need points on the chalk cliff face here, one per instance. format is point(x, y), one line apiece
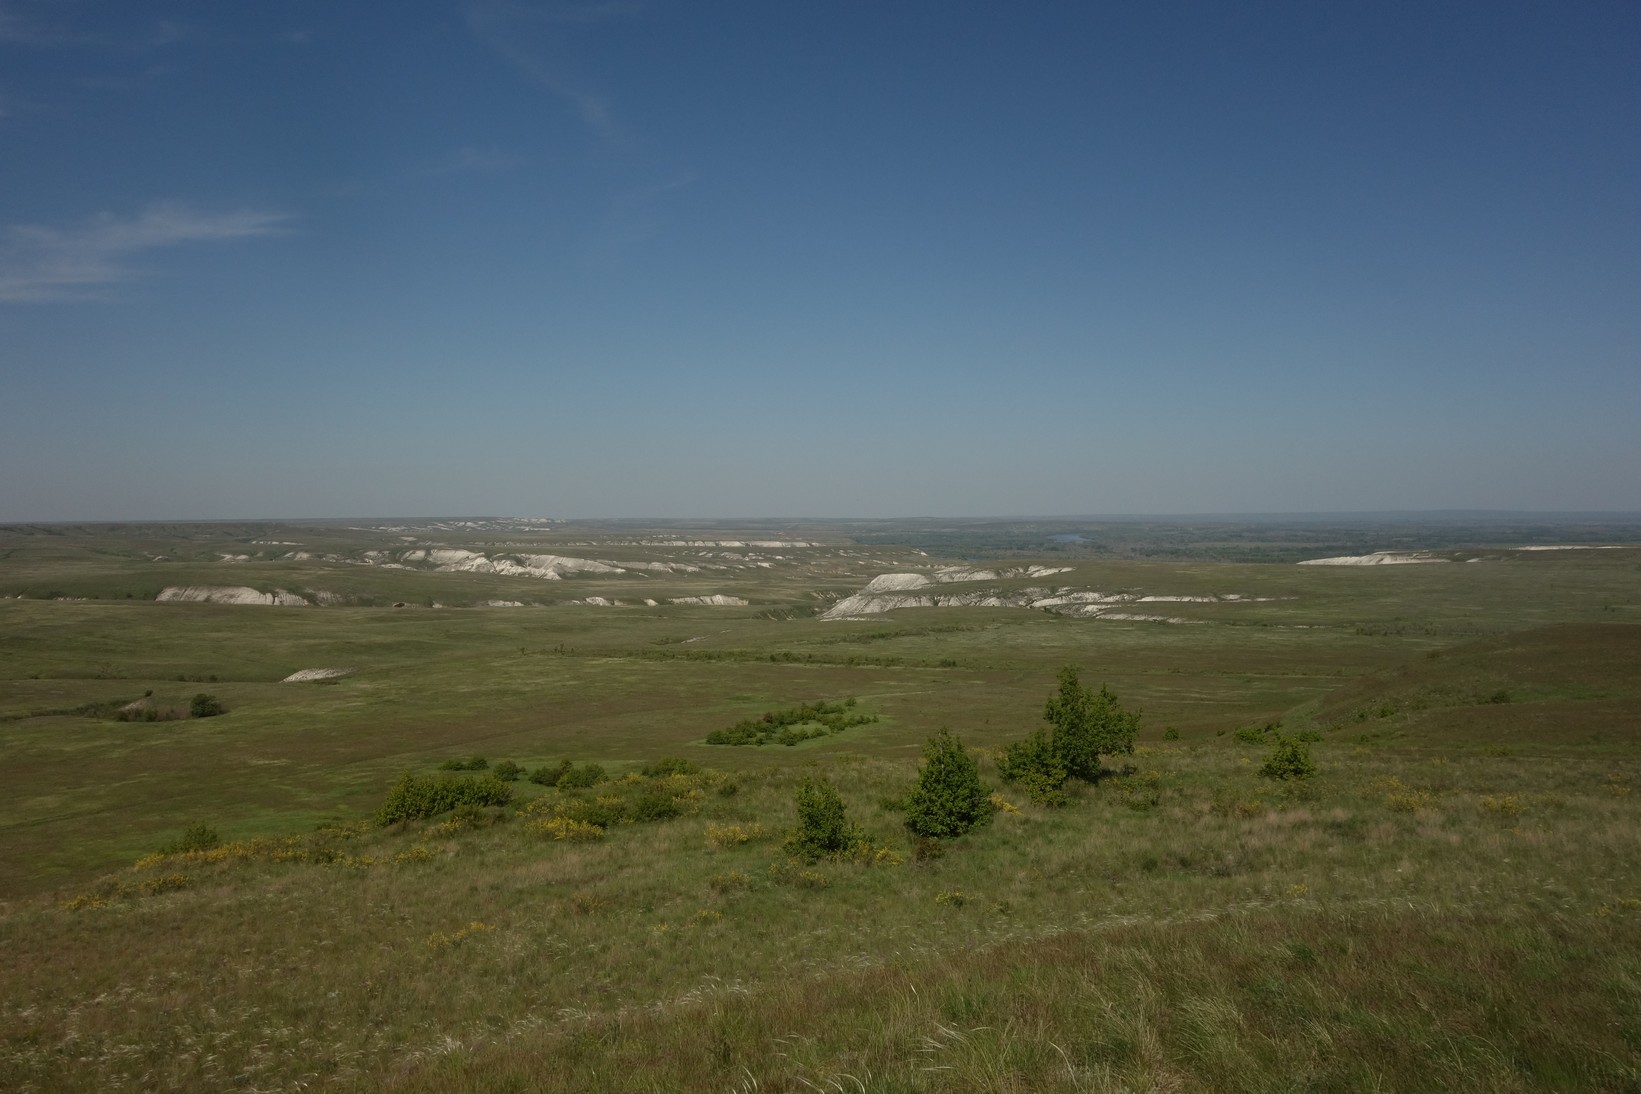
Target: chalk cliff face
point(887, 592)
point(456, 560)
point(1377, 558)
point(228, 594)
point(546, 567)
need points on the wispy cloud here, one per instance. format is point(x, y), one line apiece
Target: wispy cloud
point(21, 30)
point(501, 25)
point(39, 263)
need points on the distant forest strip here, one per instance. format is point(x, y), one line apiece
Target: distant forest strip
point(775, 657)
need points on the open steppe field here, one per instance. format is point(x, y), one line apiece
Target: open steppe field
point(1453, 900)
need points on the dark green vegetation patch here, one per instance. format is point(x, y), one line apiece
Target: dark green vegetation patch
point(793, 725)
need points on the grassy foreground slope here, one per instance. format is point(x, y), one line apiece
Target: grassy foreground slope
point(1464, 920)
point(1453, 902)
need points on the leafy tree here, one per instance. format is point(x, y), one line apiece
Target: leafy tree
point(1088, 724)
point(824, 829)
point(949, 798)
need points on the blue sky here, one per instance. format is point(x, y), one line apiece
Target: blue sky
point(754, 259)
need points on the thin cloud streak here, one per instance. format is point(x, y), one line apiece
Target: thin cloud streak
point(39, 263)
point(19, 31)
point(495, 24)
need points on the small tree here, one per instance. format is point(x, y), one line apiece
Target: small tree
point(1088, 724)
point(949, 798)
point(824, 829)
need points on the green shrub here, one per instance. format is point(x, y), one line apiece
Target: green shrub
point(1035, 765)
point(204, 705)
point(1290, 759)
point(671, 765)
point(1087, 724)
point(508, 771)
point(601, 812)
point(416, 797)
point(588, 774)
point(654, 804)
point(1254, 735)
point(472, 763)
point(949, 798)
point(824, 829)
point(1170, 734)
point(549, 776)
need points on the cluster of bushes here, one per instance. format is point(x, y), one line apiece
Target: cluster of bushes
point(507, 771)
point(569, 776)
point(665, 790)
point(1289, 758)
point(947, 800)
point(803, 722)
point(417, 797)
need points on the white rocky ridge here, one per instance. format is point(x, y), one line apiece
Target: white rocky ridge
point(457, 560)
point(227, 594)
point(718, 600)
point(303, 676)
point(946, 575)
point(887, 592)
point(1377, 558)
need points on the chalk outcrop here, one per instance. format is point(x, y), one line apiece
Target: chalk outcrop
point(1377, 558)
point(889, 592)
point(228, 594)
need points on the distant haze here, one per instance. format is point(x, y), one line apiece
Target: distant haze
point(666, 259)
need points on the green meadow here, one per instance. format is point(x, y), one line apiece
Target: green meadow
point(1453, 901)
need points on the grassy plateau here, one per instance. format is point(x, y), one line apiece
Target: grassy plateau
point(199, 901)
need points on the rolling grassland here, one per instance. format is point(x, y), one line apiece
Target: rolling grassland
point(1452, 902)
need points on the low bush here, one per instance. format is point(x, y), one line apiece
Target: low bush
point(416, 797)
point(654, 804)
point(549, 776)
point(1035, 765)
point(508, 771)
point(588, 774)
point(201, 837)
point(205, 705)
point(472, 763)
point(824, 829)
point(1290, 759)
